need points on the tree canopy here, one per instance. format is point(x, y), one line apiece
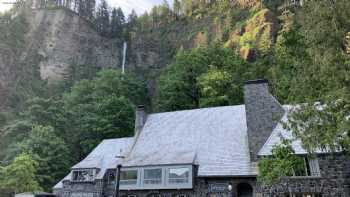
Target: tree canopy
point(19, 176)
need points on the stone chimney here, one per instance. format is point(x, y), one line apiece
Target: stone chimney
point(140, 119)
point(263, 112)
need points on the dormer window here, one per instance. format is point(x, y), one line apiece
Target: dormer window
point(86, 175)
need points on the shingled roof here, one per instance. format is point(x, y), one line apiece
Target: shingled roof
point(103, 157)
point(213, 138)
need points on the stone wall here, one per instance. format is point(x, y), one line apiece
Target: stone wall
point(334, 180)
point(71, 189)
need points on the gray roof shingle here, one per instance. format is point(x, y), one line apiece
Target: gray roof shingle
point(280, 133)
point(214, 138)
point(103, 157)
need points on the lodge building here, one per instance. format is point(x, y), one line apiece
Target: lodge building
point(208, 152)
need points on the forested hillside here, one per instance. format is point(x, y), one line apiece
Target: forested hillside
point(62, 90)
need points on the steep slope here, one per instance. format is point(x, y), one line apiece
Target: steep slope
point(62, 39)
point(50, 43)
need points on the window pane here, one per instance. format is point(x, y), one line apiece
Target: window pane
point(128, 177)
point(179, 175)
point(314, 167)
point(153, 176)
point(83, 175)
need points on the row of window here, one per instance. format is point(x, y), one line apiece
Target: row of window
point(157, 176)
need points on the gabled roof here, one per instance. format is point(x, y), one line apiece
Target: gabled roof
point(103, 157)
point(280, 133)
point(214, 138)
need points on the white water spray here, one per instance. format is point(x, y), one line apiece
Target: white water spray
point(124, 57)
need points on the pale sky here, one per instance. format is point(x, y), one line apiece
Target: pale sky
point(5, 4)
point(140, 6)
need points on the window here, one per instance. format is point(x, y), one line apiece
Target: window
point(111, 177)
point(128, 177)
point(152, 176)
point(309, 167)
point(84, 175)
point(178, 175)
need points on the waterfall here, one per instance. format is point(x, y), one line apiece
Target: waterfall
point(124, 56)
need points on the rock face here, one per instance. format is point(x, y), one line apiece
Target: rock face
point(63, 39)
point(257, 35)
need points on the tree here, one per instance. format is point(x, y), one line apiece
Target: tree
point(323, 125)
point(19, 176)
point(282, 163)
point(176, 8)
point(50, 153)
point(102, 19)
point(117, 22)
point(102, 108)
point(203, 77)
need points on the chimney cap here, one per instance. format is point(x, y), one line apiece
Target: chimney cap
point(256, 81)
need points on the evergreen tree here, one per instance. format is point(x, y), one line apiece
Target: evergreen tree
point(117, 23)
point(51, 154)
point(176, 8)
point(102, 19)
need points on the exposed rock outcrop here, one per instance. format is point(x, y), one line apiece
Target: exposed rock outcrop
point(258, 34)
point(62, 39)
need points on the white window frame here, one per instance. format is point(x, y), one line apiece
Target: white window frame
point(161, 176)
point(164, 178)
point(178, 167)
point(123, 182)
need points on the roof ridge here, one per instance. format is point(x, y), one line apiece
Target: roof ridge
point(197, 109)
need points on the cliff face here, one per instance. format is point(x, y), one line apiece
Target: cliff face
point(63, 39)
point(55, 41)
point(44, 45)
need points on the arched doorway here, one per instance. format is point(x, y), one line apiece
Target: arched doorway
point(244, 190)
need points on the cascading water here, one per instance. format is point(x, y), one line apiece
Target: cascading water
point(124, 57)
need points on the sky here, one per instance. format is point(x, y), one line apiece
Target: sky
point(140, 6)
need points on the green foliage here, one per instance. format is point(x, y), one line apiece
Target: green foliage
point(282, 163)
point(59, 132)
point(203, 77)
point(323, 126)
point(19, 176)
point(51, 154)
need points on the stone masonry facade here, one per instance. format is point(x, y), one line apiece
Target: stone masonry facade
point(333, 182)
